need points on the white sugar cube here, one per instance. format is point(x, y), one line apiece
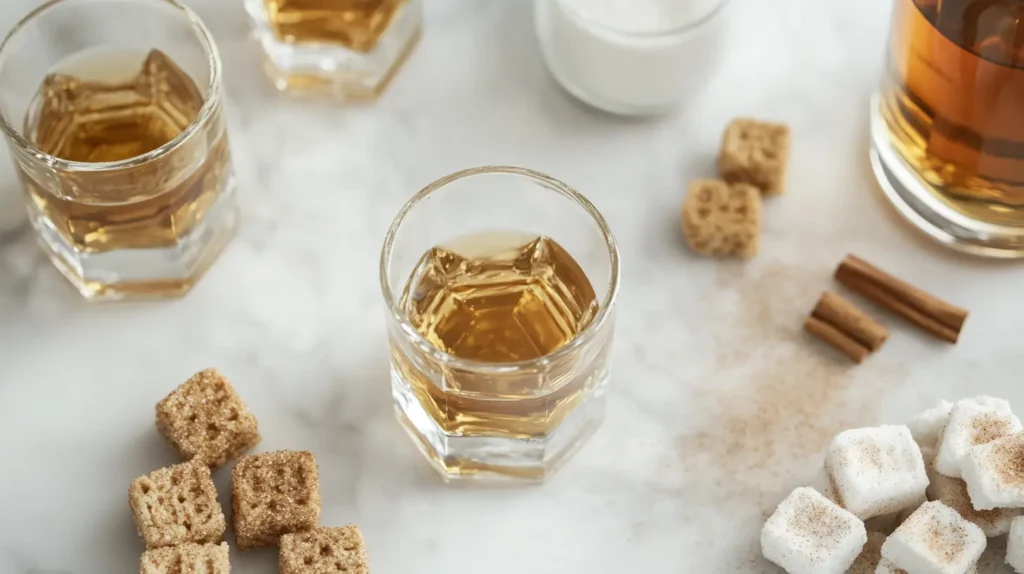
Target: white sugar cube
point(994, 473)
point(1015, 545)
point(935, 540)
point(810, 534)
point(927, 426)
point(972, 422)
point(953, 493)
point(876, 470)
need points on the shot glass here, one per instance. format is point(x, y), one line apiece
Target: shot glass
point(349, 49)
point(500, 287)
point(112, 110)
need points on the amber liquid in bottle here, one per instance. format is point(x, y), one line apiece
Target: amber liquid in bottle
point(500, 298)
point(78, 115)
point(953, 101)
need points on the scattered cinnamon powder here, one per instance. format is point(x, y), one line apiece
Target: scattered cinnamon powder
point(870, 453)
point(1008, 460)
point(870, 556)
point(946, 541)
point(990, 426)
point(773, 405)
point(820, 523)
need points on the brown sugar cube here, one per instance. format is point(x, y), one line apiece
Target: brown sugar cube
point(176, 505)
point(187, 559)
point(755, 152)
point(204, 419)
point(722, 219)
point(274, 494)
point(324, 551)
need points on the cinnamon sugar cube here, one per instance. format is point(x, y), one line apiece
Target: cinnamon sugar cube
point(176, 505)
point(927, 426)
point(719, 219)
point(953, 493)
point(324, 551)
point(187, 559)
point(972, 422)
point(809, 534)
point(994, 473)
point(755, 152)
point(877, 470)
point(935, 540)
point(204, 419)
point(273, 494)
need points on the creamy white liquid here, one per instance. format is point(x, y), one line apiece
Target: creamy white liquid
point(630, 56)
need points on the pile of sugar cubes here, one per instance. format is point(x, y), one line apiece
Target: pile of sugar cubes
point(932, 492)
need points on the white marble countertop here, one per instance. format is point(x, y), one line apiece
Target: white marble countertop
point(718, 406)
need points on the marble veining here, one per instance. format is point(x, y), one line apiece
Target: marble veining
point(718, 406)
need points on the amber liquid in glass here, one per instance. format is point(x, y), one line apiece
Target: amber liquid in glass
point(953, 101)
point(500, 298)
point(78, 115)
point(354, 24)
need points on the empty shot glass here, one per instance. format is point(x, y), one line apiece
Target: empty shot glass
point(500, 288)
point(113, 113)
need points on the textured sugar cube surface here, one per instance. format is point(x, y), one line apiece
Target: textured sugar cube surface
point(1015, 545)
point(927, 426)
point(867, 560)
point(755, 152)
point(324, 551)
point(935, 540)
point(175, 505)
point(187, 559)
point(273, 494)
point(206, 420)
point(953, 493)
point(876, 470)
point(973, 421)
point(809, 534)
point(994, 473)
point(722, 219)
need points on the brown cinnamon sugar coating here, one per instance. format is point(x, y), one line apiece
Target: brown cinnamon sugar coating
point(205, 419)
point(755, 152)
point(187, 559)
point(324, 551)
point(273, 494)
point(176, 505)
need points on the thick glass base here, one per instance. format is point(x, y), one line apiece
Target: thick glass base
point(918, 201)
point(332, 69)
point(496, 458)
point(157, 273)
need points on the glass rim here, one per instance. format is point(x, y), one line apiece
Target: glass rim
point(206, 112)
point(652, 35)
point(581, 338)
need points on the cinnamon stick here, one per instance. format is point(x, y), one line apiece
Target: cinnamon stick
point(838, 323)
point(922, 309)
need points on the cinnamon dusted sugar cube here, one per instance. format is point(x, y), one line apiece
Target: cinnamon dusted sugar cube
point(187, 559)
point(755, 152)
point(324, 551)
point(973, 421)
point(176, 505)
point(935, 540)
point(273, 494)
point(953, 493)
point(809, 534)
point(994, 473)
point(204, 419)
point(722, 219)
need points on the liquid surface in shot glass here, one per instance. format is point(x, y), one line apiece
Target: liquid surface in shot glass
point(501, 298)
point(953, 101)
point(89, 110)
point(354, 24)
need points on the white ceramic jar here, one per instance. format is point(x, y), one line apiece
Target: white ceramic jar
point(630, 57)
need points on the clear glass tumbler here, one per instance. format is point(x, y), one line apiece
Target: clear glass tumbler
point(947, 125)
point(500, 287)
point(113, 113)
point(348, 49)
